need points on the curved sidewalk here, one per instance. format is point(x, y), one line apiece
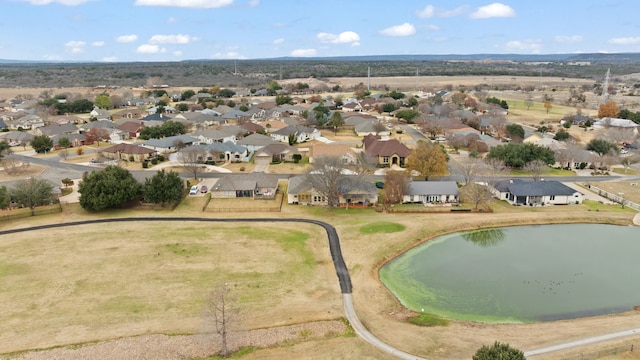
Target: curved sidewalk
point(582, 342)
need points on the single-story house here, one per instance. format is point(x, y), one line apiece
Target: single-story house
point(253, 185)
point(352, 190)
point(20, 137)
point(170, 143)
point(128, 114)
point(226, 151)
point(536, 193)
point(254, 142)
point(125, 151)
point(275, 153)
point(301, 133)
point(132, 129)
point(426, 192)
point(27, 122)
point(345, 152)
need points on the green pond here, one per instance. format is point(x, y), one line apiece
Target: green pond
point(521, 273)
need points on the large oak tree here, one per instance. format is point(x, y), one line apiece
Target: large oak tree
point(428, 159)
point(108, 188)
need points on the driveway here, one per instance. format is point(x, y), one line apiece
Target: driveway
point(588, 194)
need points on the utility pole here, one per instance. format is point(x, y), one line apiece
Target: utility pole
point(368, 78)
point(605, 88)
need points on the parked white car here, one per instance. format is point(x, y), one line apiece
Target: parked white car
point(194, 190)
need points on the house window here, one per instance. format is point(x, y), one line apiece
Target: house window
point(385, 159)
point(552, 197)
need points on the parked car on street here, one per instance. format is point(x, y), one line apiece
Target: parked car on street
point(194, 190)
point(204, 189)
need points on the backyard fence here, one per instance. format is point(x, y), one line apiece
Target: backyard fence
point(26, 212)
point(613, 197)
point(622, 349)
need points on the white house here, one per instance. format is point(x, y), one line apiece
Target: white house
point(536, 193)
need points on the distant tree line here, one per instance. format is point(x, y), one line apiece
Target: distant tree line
point(223, 72)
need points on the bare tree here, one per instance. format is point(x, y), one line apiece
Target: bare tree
point(627, 161)
point(63, 153)
point(476, 194)
point(223, 309)
point(470, 168)
point(191, 159)
point(13, 165)
point(618, 135)
point(564, 157)
point(493, 170)
point(325, 177)
point(536, 168)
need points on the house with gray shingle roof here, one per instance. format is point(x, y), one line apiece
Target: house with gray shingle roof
point(226, 151)
point(20, 137)
point(220, 135)
point(352, 190)
point(536, 193)
point(170, 143)
point(27, 122)
point(59, 129)
point(301, 133)
point(252, 185)
point(426, 192)
point(255, 142)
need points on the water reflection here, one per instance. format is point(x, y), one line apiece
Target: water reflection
point(485, 237)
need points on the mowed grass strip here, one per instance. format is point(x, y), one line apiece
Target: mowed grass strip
point(95, 282)
point(381, 227)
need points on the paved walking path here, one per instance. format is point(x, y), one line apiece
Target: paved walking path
point(582, 342)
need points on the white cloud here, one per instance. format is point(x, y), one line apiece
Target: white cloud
point(405, 29)
point(172, 39)
point(527, 45)
point(254, 3)
point(200, 4)
point(427, 12)
point(127, 38)
point(172, 20)
point(148, 49)
point(624, 41)
point(229, 55)
point(493, 10)
point(347, 37)
point(97, 43)
point(430, 11)
point(568, 39)
point(177, 53)
point(110, 59)
point(278, 41)
point(61, 2)
point(75, 47)
point(433, 27)
point(303, 52)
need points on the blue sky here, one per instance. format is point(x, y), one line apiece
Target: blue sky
point(173, 30)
